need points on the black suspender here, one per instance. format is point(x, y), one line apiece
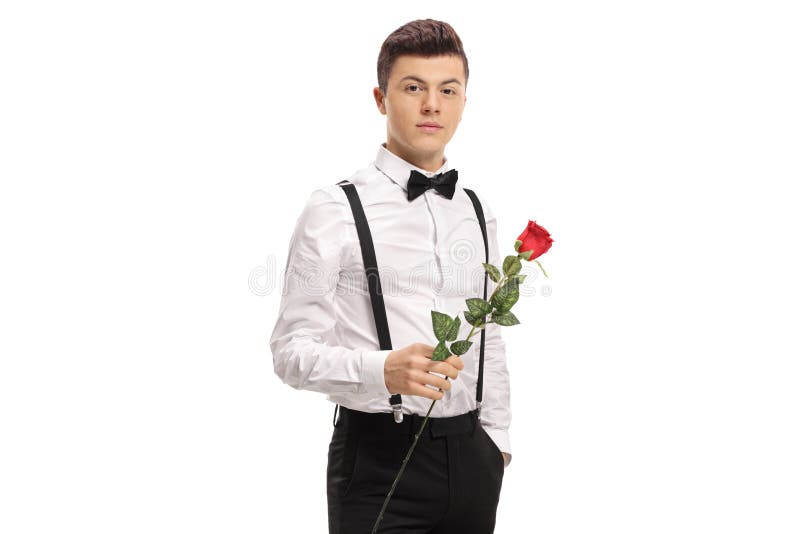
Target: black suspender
point(482, 223)
point(373, 282)
point(376, 295)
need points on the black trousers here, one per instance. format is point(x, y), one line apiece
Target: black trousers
point(451, 484)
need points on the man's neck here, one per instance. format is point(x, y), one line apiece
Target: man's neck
point(428, 162)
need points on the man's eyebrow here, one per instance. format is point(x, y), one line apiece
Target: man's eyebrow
point(420, 80)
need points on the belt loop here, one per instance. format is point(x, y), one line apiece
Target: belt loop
point(475, 421)
point(412, 426)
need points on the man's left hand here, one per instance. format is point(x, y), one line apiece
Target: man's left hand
point(505, 459)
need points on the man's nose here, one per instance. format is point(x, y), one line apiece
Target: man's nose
point(431, 102)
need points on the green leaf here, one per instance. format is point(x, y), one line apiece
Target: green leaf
point(473, 320)
point(455, 325)
point(441, 325)
point(526, 255)
point(440, 352)
point(505, 319)
point(460, 347)
point(494, 272)
point(511, 265)
point(478, 307)
point(517, 244)
point(507, 295)
point(520, 277)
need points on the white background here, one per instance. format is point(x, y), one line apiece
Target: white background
point(155, 156)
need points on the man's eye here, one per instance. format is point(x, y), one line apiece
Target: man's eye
point(452, 91)
point(410, 86)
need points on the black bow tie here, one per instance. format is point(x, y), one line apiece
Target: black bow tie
point(444, 183)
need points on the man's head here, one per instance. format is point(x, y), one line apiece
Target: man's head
point(422, 78)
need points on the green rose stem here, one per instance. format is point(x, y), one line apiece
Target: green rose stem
point(421, 428)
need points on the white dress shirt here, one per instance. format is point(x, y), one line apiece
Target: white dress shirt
point(429, 253)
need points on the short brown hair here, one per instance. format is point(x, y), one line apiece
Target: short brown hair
point(422, 37)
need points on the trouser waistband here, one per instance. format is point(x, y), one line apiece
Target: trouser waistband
point(384, 423)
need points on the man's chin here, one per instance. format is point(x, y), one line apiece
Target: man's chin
point(428, 145)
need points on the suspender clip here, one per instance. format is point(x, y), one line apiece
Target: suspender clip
point(479, 410)
point(397, 409)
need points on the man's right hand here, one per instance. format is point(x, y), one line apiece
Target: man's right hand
point(407, 371)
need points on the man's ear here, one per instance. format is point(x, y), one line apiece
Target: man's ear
point(379, 99)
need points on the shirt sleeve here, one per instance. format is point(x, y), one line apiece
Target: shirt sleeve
point(303, 342)
point(496, 404)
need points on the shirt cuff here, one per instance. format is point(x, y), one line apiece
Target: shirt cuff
point(501, 439)
point(372, 367)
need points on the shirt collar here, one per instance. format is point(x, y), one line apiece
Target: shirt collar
point(398, 169)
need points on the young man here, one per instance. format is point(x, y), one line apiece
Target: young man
point(337, 335)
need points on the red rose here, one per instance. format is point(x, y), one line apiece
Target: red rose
point(533, 241)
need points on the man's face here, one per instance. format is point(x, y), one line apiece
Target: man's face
point(422, 90)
